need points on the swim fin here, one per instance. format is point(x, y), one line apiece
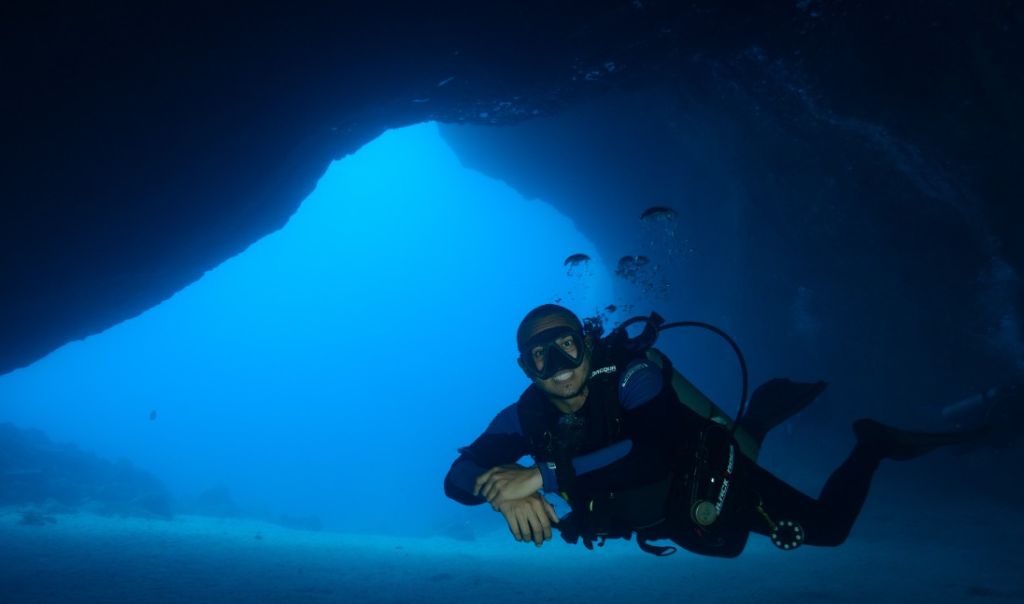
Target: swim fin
point(892, 443)
point(776, 401)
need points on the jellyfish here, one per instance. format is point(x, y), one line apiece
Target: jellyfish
point(639, 271)
point(578, 264)
point(576, 260)
point(658, 213)
point(659, 231)
point(629, 266)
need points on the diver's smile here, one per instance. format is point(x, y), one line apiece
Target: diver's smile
point(563, 376)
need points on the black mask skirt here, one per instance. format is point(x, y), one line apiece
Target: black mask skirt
point(554, 358)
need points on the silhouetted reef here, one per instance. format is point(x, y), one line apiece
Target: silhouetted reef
point(50, 478)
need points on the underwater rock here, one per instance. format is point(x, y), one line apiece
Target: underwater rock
point(244, 108)
point(34, 470)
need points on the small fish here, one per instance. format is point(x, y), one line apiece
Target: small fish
point(576, 259)
point(610, 308)
point(658, 213)
point(152, 415)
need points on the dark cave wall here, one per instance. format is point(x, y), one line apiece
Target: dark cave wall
point(143, 147)
point(827, 245)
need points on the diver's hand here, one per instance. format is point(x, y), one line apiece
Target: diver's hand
point(529, 518)
point(508, 482)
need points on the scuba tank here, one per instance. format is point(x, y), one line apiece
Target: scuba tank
point(708, 504)
point(687, 393)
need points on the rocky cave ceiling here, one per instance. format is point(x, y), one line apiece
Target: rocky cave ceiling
point(144, 148)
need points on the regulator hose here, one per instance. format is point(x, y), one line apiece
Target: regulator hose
point(655, 325)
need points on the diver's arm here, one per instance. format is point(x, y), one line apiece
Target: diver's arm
point(502, 443)
point(640, 387)
point(507, 482)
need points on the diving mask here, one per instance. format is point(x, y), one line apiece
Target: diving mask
point(553, 350)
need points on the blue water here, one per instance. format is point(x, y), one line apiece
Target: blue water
point(301, 374)
point(328, 374)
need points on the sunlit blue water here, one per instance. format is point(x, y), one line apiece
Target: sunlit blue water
point(332, 368)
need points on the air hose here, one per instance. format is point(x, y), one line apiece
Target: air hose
point(656, 324)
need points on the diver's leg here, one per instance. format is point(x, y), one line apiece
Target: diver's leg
point(892, 443)
point(826, 520)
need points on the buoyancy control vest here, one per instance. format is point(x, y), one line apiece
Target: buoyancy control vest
point(663, 509)
point(688, 394)
point(555, 438)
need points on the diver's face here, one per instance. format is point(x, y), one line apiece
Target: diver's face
point(568, 380)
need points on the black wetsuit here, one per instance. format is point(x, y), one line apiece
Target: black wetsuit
point(656, 442)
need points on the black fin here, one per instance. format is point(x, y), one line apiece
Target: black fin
point(892, 443)
point(776, 401)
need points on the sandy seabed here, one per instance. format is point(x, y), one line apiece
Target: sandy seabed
point(86, 558)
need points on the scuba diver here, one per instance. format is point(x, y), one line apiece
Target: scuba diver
point(635, 449)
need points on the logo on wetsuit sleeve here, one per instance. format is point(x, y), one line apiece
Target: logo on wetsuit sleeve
point(632, 371)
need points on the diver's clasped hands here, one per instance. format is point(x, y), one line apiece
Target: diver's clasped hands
point(512, 490)
point(529, 518)
point(507, 482)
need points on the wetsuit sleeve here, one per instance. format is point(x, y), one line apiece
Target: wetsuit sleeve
point(502, 443)
point(640, 389)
